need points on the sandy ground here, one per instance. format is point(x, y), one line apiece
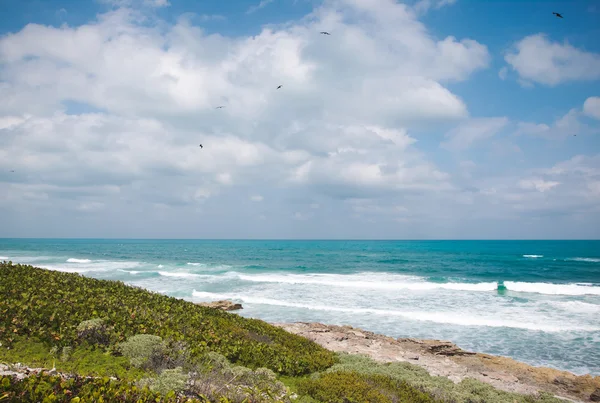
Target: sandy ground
point(442, 358)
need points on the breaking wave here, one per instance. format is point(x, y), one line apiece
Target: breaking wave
point(454, 318)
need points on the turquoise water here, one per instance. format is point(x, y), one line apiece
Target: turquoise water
point(535, 301)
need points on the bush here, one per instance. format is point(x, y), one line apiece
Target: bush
point(216, 378)
point(48, 388)
point(143, 350)
point(168, 380)
point(94, 331)
point(345, 387)
point(467, 391)
point(50, 305)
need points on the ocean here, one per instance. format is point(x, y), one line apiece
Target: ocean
point(535, 301)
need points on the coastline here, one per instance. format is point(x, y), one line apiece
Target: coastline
point(443, 358)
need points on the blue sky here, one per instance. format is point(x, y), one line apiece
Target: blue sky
point(422, 119)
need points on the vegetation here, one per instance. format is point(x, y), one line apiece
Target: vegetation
point(217, 378)
point(126, 344)
point(53, 388)
point(343, 387)
point(83, 360)
point(441, 388)
point(49, 306)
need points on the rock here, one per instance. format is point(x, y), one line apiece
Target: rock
point(563, 381)
point(447, 348)
point(224, 305)
point(595, 396)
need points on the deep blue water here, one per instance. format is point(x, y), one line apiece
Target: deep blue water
point(535, 301)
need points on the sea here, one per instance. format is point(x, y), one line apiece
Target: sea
point(535, 301)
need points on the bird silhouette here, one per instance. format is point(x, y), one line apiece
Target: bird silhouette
point(325, 33)
point(558, 15)
point(219, 107)
point(279, 86)
point(201, 146)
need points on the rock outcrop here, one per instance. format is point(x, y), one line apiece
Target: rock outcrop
point(443, 358)
point(224, 305)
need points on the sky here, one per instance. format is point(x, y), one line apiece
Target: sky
point(423, 119)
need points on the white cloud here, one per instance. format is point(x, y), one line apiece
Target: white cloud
point(538, 59)
point(591, 107)
point(422, 6)
point(503, 73)
point(566, 126)
point(538, 184)
point(262, 4)
point(473, 131)
point(342, 127)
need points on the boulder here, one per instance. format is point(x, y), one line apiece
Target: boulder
point(595, 396)
point(224, 305)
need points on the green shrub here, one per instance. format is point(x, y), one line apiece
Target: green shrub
point(143, 349)
point(168, 380)
point(50, 305)
point(94, 331)
point(346, 387)
point(467, 391)
point(48, 388)
point(216, 378)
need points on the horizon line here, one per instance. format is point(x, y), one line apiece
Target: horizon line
point(306, 239)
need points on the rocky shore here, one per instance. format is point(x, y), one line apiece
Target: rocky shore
point(443, 358)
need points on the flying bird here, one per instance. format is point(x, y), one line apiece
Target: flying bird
point(201, 146)
point(279, 86)
point(325, 33)
point(219, 107)
point(558, 15)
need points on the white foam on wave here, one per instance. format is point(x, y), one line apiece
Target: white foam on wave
point(160, 266)
point(130, 271)
point(73, 260)
point(576, 306)
point(453, 318)
point(387, 282)
point(533, 256)
point(551, 289)
point(585, 259)
point(178, 274)
point(194, 264)
point(4, 258)
point(84, 266)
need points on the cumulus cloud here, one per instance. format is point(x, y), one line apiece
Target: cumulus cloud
point(535, 58)
point(591, 107)
point(101, 123)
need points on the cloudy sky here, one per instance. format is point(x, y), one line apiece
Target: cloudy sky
point(425, 119)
